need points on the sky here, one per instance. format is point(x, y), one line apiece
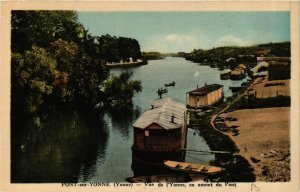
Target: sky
point(171, 32)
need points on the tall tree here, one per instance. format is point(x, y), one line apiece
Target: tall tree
point(32, 79)
point(40, 28)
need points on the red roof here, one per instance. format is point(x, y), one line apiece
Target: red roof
point(206, 89)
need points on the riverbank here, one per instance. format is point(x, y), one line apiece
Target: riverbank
point(257, 121)
point(237, 167)
point(125, 64)
point(263, 140)
point(263, 88)
point(254, 127)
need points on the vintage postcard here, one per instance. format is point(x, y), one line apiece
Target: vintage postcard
point(149, 96)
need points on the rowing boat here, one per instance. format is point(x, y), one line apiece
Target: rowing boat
point(158, 178)
point(193, 167)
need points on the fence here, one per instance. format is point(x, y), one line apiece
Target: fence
point(269, 94)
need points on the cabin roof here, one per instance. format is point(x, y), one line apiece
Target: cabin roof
point(230, 59)
point(206, 89)
point(243, 66)
point(259, 65)
point(279, 63)
point(273, 59)
point(161, 114)
point(225, 71)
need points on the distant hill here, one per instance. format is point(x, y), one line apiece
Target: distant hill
point(247, 54)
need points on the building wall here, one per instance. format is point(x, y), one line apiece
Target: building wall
point(209, 98)
point(138, 135)
point(163, 140)
point(192, 100)
point(197, 100)
point(201, 100)
point(157, 139)
point(279, 72)
point(205, 100)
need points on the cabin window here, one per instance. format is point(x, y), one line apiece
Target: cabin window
point(147, 133)
point(198, 98)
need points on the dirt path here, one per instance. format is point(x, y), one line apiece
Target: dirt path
point(264, 140)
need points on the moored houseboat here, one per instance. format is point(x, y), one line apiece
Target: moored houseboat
point(206, 96)
point(160, 132)
point(238, 72)
point(225, 74)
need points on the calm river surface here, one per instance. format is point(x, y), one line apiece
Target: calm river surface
point(71, 147)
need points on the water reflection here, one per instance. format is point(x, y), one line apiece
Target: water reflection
point(55, 146)
point(195, 143)
point(122, 119)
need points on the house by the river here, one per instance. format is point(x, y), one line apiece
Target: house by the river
point(279, 68)
point(205, 96)
point(238, 72)
point(160, 132)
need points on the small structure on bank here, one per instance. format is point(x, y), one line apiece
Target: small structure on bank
point(238, 72)
point(268, 59)
point(225, 74)
point(205, 96)
point(279, 70)
point(160, 132)
point(260, 70)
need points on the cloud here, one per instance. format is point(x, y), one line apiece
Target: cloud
point(172, 43)
point(178, 38)
point(231, 40)
point(157, 46)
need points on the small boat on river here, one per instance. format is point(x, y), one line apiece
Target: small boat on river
point(158, 179)
point(161, 91)
point(193, 167)
point(170, 84)
point(225, 74)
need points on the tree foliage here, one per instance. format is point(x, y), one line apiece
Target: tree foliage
point(219, 55)
point(115, 49)
point(56, 61)
point(152, 55)
point(33, 74)
point(40, 28)
point(119, 90)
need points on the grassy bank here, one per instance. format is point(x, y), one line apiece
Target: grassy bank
point(237, 167)
point(252, 103)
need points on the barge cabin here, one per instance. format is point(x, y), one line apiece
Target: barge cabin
point(225, 74)
point(238, 72)
point(160, 132)
point(205, 96)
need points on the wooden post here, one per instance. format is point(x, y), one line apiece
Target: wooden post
point(187, 103)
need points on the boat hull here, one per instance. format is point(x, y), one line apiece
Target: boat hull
point(157, 157)
point(193, 168)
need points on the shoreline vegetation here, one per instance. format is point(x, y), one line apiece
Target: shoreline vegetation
point(126, 64)
point(231, 56)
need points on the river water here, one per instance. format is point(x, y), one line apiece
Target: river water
point(70, 146)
